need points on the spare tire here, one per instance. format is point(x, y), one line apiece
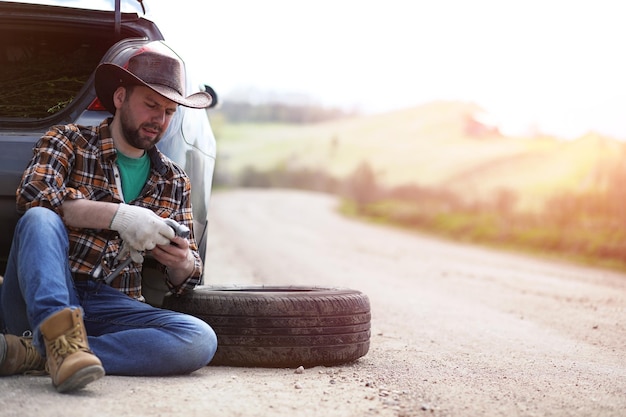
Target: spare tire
point(278, 326)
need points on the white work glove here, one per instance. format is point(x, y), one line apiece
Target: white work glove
point(140, 229)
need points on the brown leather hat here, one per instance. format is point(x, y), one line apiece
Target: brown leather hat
point(163, 73)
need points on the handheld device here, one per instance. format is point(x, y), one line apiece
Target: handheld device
point(179, 229)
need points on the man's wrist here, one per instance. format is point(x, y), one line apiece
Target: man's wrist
point(177, 275)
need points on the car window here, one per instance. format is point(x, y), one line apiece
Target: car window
point(128, 6)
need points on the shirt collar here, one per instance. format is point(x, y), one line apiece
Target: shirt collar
point(106, 140)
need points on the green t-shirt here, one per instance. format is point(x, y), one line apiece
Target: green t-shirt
point(134, 172)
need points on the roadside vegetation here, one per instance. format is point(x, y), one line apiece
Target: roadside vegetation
point(539, 194)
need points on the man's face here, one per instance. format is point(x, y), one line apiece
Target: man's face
point(144, 116)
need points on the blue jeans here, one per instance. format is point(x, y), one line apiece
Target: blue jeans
point(128, 336)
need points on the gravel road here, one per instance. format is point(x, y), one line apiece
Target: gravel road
point(456, 330)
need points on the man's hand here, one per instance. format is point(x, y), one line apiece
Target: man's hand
point(140, 228)
point(177, 257)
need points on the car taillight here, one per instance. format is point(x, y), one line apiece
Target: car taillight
point(96, 105)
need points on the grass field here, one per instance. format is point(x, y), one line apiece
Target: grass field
point(426, 145)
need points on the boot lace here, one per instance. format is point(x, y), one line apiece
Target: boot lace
point(34, 363)
point(68, 343)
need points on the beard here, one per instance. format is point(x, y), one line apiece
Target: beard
point(133, 134)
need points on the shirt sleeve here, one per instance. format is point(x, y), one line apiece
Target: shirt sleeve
point(44, 182)
point(184, 216)
point(191, 282)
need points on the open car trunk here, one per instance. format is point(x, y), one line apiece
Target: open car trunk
point(49, 53)
point(42, 73)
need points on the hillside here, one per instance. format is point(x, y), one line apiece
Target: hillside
point(428, 145)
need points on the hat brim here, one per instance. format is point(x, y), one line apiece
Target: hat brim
point(109, 77)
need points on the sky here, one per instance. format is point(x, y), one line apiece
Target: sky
point(553, 66)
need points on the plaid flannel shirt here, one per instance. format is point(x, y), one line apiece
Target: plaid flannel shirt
point(73, 162)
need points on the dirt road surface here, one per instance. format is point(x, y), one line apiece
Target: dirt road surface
point(456, 330)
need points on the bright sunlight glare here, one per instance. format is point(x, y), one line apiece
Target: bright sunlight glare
point(553, 66)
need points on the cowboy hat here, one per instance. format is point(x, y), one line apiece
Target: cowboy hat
point(160, 72)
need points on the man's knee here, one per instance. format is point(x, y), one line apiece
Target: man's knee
point(40, 221)
point(204, 343)
point(40, 214)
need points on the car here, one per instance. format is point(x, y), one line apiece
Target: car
point(48, 56)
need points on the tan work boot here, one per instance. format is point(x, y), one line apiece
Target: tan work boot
point(69, 361)
point(19, 356)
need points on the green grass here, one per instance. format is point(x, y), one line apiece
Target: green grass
point(424, 145)
point(600, 247)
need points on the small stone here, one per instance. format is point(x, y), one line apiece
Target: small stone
point(297, 386)
point(299, 370)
